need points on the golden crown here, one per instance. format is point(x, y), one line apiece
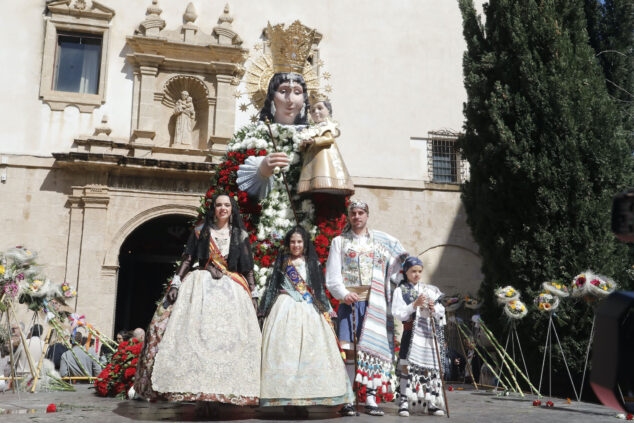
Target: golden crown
point(317, 97)
point(290, 47)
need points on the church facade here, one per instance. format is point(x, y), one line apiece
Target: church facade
point(116, 113)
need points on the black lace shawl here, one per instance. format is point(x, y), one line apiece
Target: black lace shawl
point(314, 275)
point(240, 258)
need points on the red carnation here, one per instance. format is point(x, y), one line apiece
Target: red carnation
point(118, 388)
point(450, 388)
point(549, 404)
point(51, 408)
point(629, 417)
point(137, 348)
point(134, 362)
point(129, 373)
point(537, 403)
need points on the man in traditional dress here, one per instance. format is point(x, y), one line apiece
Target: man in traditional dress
point(358, 271)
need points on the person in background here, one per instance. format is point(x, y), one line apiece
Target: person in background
point(35, 344)
point(54, 353)
point(76, 360)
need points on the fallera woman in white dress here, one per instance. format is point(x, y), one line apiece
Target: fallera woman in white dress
point(301, 361)
point(203, 343)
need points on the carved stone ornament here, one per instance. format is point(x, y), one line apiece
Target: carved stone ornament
point(82, 8)
point(153, 23)
point(104, 129)
point(169, 61)
point(190, 14)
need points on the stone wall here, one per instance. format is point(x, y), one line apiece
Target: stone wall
point(77, 183)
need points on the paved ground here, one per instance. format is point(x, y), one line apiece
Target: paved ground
point(465, 405)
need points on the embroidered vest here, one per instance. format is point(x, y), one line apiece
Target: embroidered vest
point(357, 261)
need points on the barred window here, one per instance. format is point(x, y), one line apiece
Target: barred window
point(444, 161)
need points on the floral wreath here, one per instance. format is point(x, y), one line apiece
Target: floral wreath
point(472, 303)
point(506, 294)
point(515, 309)
point(547, 302)
point(557, 288)
point(592, 285)
point(451, 302)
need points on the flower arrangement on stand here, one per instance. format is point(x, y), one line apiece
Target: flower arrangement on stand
point(557, 288)
point(515, 309)
point(506, 294)
point(116, 379)
point(472, 303)
point(592, 286)
point(546, 302)
point(452, 303)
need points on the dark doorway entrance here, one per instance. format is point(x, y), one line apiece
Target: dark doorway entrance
point(146, 260)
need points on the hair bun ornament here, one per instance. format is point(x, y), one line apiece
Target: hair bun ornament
point(515, 309)
point(451, 302)
point(547, 302)
point(507, 294)
point(472, 303)
point(557, 288)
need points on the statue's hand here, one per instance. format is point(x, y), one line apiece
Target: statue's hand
point(306, 143)
point(272, 161)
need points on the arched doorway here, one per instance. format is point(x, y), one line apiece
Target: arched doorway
point(147, 259)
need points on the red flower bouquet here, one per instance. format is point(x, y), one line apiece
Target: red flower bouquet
point(116, 379)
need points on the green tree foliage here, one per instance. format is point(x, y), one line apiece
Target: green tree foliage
point(547, 153)
point(610, 26)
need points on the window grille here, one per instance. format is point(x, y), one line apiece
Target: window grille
point(444, 161)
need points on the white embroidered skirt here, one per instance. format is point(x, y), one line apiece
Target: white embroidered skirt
point(211, 346)
point(301, 363)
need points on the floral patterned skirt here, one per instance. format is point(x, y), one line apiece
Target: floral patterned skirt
point(204, 347)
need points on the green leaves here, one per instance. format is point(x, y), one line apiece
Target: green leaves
point(547, 151)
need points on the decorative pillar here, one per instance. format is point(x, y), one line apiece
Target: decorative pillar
point(75, 224)
point(225, 107)
point(95, 298)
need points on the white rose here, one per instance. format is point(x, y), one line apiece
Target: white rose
point(261, 144)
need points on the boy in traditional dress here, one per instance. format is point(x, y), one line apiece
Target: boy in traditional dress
point(414, 304)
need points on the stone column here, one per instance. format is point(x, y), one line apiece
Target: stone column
point(225, 107)
point(144, 132)
point(75, 228)
point(95, 298)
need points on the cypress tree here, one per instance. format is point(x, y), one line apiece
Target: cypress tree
point(610, 26)
point(547, 153)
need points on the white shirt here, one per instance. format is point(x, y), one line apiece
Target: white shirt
point(403, 312)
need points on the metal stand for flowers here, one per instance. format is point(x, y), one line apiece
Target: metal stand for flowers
point(585, 365)
point(548, 349)
point(466, 357)
point(508, 360)
point(513, 337)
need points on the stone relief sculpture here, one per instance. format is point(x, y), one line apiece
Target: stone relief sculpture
point(185, 115)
